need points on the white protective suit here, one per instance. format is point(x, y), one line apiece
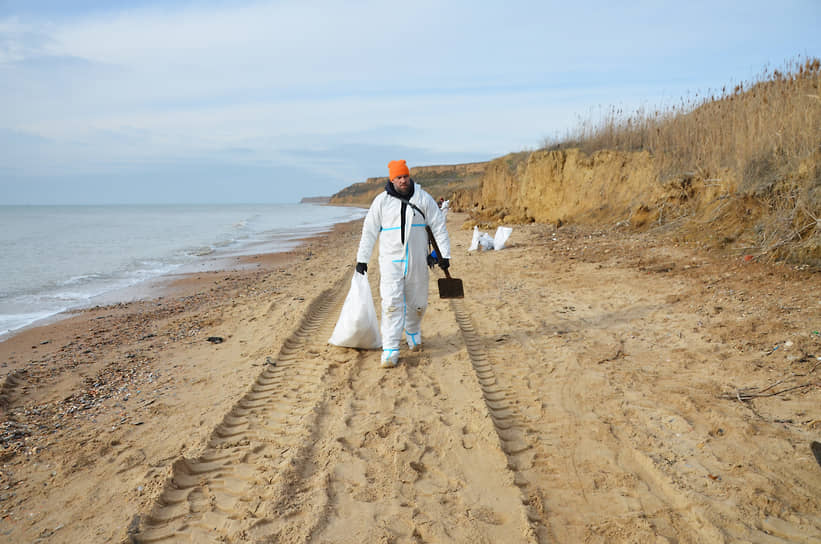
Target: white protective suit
point(402, 265)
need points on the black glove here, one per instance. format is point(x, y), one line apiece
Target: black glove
point(431, 261)
point(444, 264)
point(361, 267)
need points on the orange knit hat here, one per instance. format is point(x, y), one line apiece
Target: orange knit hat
point(397, 168)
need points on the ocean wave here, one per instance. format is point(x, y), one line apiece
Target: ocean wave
point(83, 278)
point(67, 296)
point(65, 258)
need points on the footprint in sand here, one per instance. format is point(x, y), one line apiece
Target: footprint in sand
point(468, 436)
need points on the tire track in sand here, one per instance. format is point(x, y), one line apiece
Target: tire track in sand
point(415, 458)
point(320, 452)
point(255, 457)
point(507, 422)
point(401, 455)
point(616, 444)
point(592, 481)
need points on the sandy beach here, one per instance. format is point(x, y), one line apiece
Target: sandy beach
point(591, 387)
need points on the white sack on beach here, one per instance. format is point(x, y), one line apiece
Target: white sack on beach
point(474, 243)
point(481, 240)
point(357, 326)
point(502, 234)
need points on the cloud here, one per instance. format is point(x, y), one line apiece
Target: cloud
point(328, 88)
point(20, 41)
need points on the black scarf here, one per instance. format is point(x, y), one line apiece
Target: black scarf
point(391, 190)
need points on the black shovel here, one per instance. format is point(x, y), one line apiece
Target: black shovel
point(448, 287)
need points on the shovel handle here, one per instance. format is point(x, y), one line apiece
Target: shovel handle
point(436, 248)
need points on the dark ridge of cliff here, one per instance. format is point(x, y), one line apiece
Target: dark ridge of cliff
point(441, 181)
point(315, 200)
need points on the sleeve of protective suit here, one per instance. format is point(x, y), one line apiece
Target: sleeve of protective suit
point(436, 220)
point(370, 231)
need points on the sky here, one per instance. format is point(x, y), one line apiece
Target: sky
point(142, 102)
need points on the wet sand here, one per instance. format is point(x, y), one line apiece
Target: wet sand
point(591, 387)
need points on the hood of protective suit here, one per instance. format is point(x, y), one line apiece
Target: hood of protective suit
point(391, 190)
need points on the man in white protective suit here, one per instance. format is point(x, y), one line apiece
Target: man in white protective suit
point(398, 217)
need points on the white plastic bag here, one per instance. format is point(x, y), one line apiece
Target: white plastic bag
point(481, 240)
point(474, 243)
point(357, 326)
point(502, 234)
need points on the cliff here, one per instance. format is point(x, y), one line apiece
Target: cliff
point(740, 171)
point(607, 189)
point(562, 186)
point(315, 200)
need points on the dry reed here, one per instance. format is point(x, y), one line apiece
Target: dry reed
point(766, 135)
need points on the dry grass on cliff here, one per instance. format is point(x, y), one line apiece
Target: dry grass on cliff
point(764, 136)
point(775, 118)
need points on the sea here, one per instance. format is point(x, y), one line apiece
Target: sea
point(59, 258)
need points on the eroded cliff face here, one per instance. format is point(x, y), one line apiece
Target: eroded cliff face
point(553, 186)
point(721, 209)
point(740, 210)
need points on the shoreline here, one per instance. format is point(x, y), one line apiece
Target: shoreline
point(99, 255)
point(175, 282)
point(168, 286)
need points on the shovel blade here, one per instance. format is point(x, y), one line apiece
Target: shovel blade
point(451, 288)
